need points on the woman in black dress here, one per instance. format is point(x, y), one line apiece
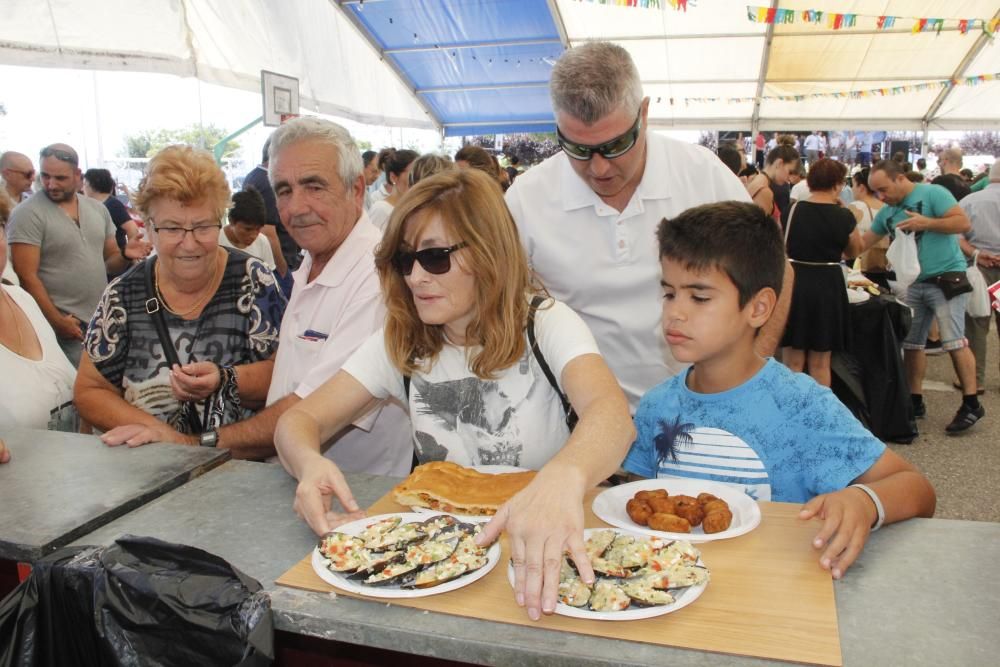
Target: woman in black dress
point(820, 231)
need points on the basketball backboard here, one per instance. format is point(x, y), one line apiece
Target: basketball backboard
point(281, 97)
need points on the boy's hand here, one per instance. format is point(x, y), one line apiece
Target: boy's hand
point(848, 516)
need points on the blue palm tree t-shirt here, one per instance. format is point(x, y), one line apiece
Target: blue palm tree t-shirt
point(779, 436)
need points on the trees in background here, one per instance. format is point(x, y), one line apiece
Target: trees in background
point(149, 142)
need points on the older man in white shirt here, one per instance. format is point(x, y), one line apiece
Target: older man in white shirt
point(336, 304)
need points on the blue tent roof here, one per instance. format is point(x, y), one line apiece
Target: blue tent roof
point(477, 66)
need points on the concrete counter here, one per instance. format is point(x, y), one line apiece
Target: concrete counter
point(59, 486)
point(923, 593)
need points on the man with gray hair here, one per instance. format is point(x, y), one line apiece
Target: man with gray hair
point(315, 169)
point(63, 247)
point(982, 242)
point(588, 217)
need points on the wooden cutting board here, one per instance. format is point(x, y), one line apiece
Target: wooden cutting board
point(767, 598)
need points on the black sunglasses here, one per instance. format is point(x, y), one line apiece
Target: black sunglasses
point(609, 150)
point(433, 260)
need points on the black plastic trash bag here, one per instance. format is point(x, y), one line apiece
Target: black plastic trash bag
point(140, 601)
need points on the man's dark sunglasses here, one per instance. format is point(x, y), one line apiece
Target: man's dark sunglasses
point(433, 260)
point(59, 154)
point(609, 150)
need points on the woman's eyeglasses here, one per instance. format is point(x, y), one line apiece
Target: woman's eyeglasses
point(174, 233)
point(609, 150)
point(433, 260)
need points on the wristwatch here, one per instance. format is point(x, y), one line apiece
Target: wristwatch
point(209, 439)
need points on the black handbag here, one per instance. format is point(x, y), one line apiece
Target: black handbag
point(952, 283)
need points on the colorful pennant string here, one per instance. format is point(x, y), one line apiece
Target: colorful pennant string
point(645, 4)
point(853, 94)
point(837, 21)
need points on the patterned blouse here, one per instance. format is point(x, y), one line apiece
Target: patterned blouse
point(238, 326)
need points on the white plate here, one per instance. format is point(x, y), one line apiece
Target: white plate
point(609, 506)
point(356, 527)
point(857, 295)
point(682, 596)
point(475, 518)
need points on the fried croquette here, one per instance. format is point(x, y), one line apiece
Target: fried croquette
point(717, 521)
point(706, 497)
point(685, 500)
point(692, 512)
point(639, 511)
point(669, 523)
point(652, 493)
point(663, 505)
point(713, 505)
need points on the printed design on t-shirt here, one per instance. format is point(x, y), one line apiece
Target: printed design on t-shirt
point(716, 455)
point(670, 436)
point(474, 410)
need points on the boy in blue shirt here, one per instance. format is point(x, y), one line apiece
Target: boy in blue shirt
point(737, 418)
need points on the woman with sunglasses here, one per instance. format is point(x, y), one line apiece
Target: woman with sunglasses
point(182, 343)
point(458, 292)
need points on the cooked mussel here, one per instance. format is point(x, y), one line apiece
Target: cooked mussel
point(429, 552)
point(609, 596)
point(644, 595)
point(344, 552)
point(437, 574)
point(394, 573)
point(374, 532)
point(437, 524)
point(629, 552)
point(398, 538)
point(599, 542)
point(574, 592)
point(374, 562)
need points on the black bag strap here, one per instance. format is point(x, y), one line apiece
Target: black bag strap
point(155, 311)
point(154, 308)
point(571, 416)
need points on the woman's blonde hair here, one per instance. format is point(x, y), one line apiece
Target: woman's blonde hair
point(471, 206)
point(188, 175)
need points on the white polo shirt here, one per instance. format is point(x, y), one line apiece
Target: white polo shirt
point(605, 264)
point(344, 303)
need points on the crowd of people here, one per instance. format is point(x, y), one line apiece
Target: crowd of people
point(366, 312)
point(842, 216)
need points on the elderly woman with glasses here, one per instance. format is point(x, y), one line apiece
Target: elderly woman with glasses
point(183, 342)
point(457, 349)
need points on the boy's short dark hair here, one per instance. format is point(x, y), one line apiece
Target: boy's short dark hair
point(248, 208)
point(737, 238)
point(100, 180)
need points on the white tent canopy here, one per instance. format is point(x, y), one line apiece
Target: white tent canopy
point(714, 51)
point(709, 67)
point(225, 42)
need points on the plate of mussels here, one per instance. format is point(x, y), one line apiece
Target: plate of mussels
point(403, 555)
point(638, 576)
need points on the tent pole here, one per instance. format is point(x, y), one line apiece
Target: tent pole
point(923, 140)
point(764, 60)
point(220, 147)
point(976, 49)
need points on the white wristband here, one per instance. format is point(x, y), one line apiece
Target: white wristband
point(878, 505)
